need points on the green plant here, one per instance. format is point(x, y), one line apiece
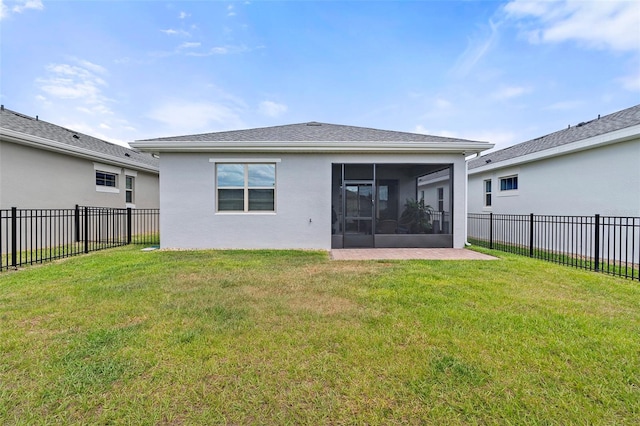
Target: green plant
point(416, 217)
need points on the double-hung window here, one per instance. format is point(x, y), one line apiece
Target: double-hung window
point(129, 189)
point(248, 187)
point(487, 193)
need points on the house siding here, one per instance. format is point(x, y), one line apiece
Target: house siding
point(603, 180)
point(34, 178)
point(303, 201)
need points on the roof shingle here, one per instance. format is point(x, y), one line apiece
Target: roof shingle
point(310, 132)
point(15, 121)
point(609, 123)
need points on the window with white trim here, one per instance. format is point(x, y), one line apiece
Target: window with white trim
point(440, 199)
point(509, 183)
point(487, 193)
point(106, 179)
point(129, 189)
point(245, 187)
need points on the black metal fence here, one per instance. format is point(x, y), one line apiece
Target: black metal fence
point(29, 236)
point(609, 244)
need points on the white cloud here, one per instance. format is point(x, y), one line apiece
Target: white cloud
point(221, 50)
point(443, 133)
point(631, 82)
point(172, 32)
point(18, 6)
point(78, 82)
point(593, 24)
point(26, 5)
point(509, 92)
point(88, 129)
point(501, 138)
point(73, 96)
point(184, 15)
point(189, 45)
point(91, 66)
point(272, 109)
point(194, 49)
point(4, 10)
point(476, 49)
point(188, 117)
point(564, 105)
point(443, 104)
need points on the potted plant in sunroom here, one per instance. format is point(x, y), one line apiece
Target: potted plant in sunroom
point(416, 217)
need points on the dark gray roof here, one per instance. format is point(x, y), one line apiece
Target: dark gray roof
point(598, 126)
point(310, 132)
point(34, 127)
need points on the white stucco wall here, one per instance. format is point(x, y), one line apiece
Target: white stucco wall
point(603, 180)
point(303, 201)
point(35, 179)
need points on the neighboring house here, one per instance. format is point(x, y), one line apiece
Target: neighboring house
point(306, 186)
point(591, 168)
point(47, 166)
point(435, 192)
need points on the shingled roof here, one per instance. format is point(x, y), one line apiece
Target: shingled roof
point(598, 126)
point(309, 132)
point(31, 126)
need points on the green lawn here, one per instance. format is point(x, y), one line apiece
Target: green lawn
point(280, 337)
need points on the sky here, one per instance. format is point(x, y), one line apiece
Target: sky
point(497, 71)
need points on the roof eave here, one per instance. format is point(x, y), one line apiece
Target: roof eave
point(617, 136)
point(63, 148)
point(314, 147)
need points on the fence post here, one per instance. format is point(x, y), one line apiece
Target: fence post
point(531, 235)
point(14, 237)
point(128, 225)
point(77, 223)
point(491, 230)
point(596, 243)
point(86, 229)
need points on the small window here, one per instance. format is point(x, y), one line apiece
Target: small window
point(106, 179)
point(440, 199)
point(487, 193)
point(246, 187)
point(129, 190)
point(509, 183)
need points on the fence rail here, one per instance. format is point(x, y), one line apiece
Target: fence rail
point(609, 244)
point(29, 236)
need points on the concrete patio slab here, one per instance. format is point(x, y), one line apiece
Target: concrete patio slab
point(408, 253)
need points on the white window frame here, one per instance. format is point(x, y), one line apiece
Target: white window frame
point(489, 193)
point(110, 170)
point(245, 162)
point(508, 192)
point(131, 190)
point(134, 175)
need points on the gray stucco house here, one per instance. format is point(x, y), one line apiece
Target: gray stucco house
point(308, 186)
point(589, 168)
point(43, 165)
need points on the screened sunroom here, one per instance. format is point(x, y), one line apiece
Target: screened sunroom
point(385, 205)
